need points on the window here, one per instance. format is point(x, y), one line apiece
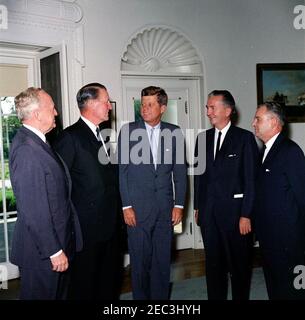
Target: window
point(9, 124)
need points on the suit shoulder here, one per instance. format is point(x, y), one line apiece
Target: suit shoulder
point(130, 126)
point(170, 126)
point(25, 151)
point(67, 138)
point(293, 146)
point(63, 135)
point(22, 140)
point(133, 124)
point(73, 128)
point(243, 134)
point(242, 131)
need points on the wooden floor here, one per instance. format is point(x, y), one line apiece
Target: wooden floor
point(186, 264)
point(189, 263)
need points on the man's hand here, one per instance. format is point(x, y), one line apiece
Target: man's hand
point(130, 217)
point(177, 214)
point(244, 225)
point(60, 263)
point(196, 216)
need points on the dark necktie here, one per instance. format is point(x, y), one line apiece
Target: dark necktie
point(98, 134)
point(218, 144)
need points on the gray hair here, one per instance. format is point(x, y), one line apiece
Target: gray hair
point(26, 102)
point(276, 109)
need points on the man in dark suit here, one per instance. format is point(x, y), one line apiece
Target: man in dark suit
point(151, 162)
point(47, 230)
point(224, 198)
point(280, 204)
point(95, 194)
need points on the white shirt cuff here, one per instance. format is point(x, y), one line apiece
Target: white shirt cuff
point(127, 207)
point(177, 206)
point(56, 254)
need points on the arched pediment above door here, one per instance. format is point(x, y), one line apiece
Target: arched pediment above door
point(161, 50)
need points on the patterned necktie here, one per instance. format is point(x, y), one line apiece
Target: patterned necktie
point(154, 146)
point(218, 144)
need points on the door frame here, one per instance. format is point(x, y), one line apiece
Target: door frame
point(61, 49)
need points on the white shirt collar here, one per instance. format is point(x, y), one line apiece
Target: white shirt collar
point(91, 125)
point(36, 131)
point(269, 145)
point(148, 127)
point(270, 142)
point(223, 130)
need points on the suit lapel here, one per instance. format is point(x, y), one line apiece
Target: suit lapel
point(227, 142)
point(210, 145)
point(161, 147)
point(89, 138)
point(274, 149)
point(87, 133)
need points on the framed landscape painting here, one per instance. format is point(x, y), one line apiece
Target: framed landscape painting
point(283, 83)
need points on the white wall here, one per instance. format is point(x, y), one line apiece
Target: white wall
point(231, 36)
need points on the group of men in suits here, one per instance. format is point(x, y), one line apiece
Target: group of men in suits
point(69, 201)
point(241, 191)
point(83, 179)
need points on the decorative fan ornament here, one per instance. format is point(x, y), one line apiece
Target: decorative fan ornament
point(160, 49)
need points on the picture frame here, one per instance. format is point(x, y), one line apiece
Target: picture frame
point(111, 123)
point(283, 83)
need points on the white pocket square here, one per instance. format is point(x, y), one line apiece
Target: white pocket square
point(232, 155)
point(267, 170)
point(238, 195)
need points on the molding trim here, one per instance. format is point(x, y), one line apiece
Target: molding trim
point(41, 10)
point(40, 22)
point(160, 49)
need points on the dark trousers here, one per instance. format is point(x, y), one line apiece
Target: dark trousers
point(150, 254)
point(278, 266)
point(43, 284)
point(227, 251)
point(96, 272)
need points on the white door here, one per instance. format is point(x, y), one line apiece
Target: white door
point(181, 95)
